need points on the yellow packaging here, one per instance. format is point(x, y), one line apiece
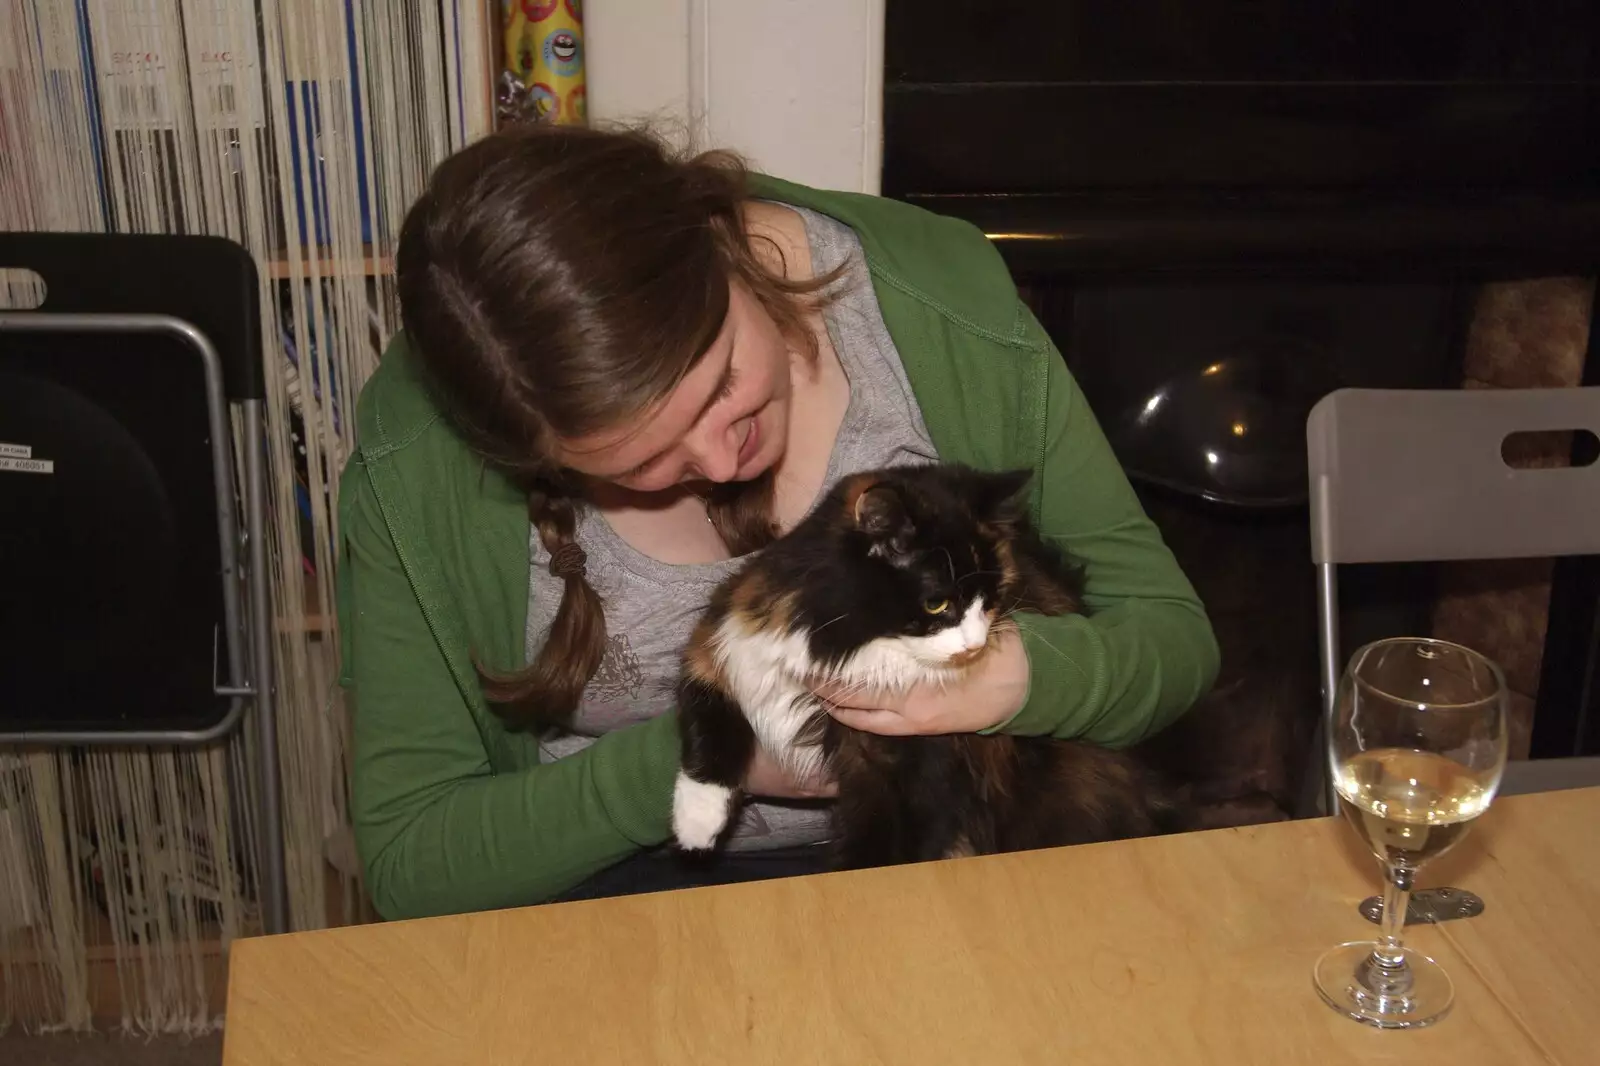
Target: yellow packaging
point(544, 49)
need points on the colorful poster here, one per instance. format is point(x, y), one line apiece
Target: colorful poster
point(544, 53)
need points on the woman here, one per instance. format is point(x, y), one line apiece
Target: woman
point(620, 371)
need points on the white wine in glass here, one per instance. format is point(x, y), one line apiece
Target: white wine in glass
point(1416, 747)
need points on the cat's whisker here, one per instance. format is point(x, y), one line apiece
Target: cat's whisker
point(1017, 607)
point(1020, 604)
point(854, 688)
point(1049, 645)
point(830, 622)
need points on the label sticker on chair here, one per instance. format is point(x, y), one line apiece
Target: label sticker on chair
point(18, 459)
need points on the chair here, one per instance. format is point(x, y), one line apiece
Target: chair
point(1415, 475)
point(135, 607)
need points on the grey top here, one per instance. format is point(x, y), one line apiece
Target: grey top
point(651, 607)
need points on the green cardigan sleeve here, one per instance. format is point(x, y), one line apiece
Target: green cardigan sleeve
point(439, 831)
point(1145, 651)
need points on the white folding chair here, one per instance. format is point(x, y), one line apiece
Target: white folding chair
point(1417, 475)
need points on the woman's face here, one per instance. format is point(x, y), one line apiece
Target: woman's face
point(728, 419)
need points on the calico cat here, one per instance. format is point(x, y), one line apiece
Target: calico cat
point(901, 576)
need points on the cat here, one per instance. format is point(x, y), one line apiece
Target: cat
point(901, 576)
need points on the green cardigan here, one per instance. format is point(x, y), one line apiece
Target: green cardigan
point(453, 813)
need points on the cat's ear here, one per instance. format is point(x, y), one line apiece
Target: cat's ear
point(879, 511)
point(993, 497)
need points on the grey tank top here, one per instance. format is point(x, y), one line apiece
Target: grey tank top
point(651, 607)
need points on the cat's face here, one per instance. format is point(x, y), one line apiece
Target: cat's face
point(924, 556)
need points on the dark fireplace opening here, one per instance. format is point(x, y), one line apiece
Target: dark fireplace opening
point(1223, 217)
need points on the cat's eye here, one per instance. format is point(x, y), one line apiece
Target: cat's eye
point(936, 606)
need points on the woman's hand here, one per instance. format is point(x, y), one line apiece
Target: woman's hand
point(992, 691)
point(767, 778)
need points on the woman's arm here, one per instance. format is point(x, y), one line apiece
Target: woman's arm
point(1146, 651)
point(439, 831)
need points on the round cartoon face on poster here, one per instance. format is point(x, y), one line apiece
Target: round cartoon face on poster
point(539, 10)
point(563, 53)
point(575, 9)
point(577, 106)
point(545, 100)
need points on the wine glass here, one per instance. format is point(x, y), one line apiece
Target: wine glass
point(1416, 747)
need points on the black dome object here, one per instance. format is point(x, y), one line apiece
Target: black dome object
point(1233, 431)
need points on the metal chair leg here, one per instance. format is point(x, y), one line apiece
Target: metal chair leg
point(1318, 795)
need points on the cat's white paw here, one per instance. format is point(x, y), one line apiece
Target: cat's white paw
point(700, 812)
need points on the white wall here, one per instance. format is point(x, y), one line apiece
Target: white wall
point(795, 85)
point(636, 61)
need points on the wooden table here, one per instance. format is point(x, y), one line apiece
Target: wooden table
point(1175, 950)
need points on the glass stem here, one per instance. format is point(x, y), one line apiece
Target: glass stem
point(1386, 972)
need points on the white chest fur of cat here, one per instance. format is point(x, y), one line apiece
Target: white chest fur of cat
point(769, 675)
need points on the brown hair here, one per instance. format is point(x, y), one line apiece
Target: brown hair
point(556, 281)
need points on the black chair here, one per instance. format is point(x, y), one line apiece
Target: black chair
point(135, 608)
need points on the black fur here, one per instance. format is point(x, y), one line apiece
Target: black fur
point(873, 560)
point(718, 743)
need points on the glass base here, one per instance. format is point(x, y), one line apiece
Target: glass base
point(1413, 995)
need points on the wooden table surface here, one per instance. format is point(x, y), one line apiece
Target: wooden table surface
point(1172, 950)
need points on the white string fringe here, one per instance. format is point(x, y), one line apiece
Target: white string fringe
point(301, 129)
